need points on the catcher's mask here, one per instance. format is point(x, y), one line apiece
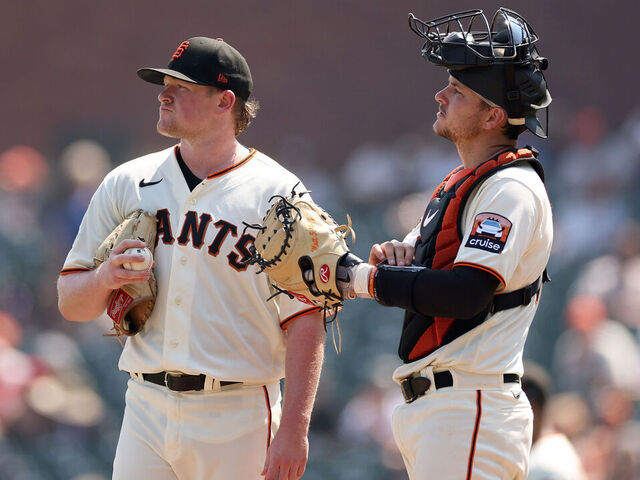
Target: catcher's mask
point(497, 61)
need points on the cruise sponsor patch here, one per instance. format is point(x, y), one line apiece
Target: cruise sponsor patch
point(489, 232)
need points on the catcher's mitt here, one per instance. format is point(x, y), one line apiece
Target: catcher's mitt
point(130, 306)
point(300, 247)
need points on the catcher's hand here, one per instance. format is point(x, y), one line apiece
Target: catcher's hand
point(356, 279)
point(130, 305)
point(301, 247)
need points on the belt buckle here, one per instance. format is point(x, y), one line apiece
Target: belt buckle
point(168, 376)
point(407, 391)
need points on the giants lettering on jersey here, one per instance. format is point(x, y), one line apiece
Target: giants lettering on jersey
point(194, 229)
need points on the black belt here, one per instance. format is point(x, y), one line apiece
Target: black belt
point(180, 382)
point(415, 387)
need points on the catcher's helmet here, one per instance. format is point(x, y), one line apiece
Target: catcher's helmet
point(497, 61)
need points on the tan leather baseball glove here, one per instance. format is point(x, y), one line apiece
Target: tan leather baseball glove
point(130, 306)
point(300, 247)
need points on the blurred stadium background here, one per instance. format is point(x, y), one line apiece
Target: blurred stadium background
point(347, 104)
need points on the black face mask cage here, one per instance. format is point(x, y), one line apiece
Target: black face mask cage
point(465, 39)
point(451, 40)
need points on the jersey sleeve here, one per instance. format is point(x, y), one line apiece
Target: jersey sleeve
point(292, 309)
point(497, 225)
point(412, 237)
point(101, 217)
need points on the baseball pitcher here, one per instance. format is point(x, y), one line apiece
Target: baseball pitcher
point(162, 248)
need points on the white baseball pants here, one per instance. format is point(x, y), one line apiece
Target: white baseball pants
point(456, 434)
point(168, 435)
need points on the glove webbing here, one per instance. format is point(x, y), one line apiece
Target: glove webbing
point(283, 213)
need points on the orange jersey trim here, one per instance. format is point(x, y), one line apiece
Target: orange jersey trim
point(302, 313)
point(482, 267)
point(268, 402)
point(475, 434)
point(68, 271)
point(252, 152)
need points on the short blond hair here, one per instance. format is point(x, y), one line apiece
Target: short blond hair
point(244, 112)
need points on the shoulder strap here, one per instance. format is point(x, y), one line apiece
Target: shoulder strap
point(519, 297)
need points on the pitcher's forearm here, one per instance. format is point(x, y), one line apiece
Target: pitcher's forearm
point(81, 297)
point(305, 353)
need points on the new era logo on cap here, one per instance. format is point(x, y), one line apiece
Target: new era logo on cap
point(205, 61)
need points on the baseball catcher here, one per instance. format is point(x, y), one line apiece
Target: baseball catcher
point(303, 251)
point(469, 274)
point(130, 306)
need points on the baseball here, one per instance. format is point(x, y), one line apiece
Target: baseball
point(144, 264)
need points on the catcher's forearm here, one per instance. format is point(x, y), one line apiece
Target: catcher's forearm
point(459, 293)
point(81, 297)
point(303, 364)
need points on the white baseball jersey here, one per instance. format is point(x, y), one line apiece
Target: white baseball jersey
point(511, 202)
point(211, 315)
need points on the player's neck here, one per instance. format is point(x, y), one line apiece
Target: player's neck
point(206, 157)
point(479, 150)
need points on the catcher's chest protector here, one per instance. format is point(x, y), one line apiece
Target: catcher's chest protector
point(438, 245)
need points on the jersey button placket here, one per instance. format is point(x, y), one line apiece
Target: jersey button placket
point(181, 288)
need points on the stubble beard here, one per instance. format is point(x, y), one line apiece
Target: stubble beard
point(444, 132)
point(168, 129)
point(456, 135)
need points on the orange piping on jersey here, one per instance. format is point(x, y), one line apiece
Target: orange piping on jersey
point(287, 320)
point(482, 267)
point(475, 434)
point(448, 239)
point(252, 152)
point(68, 271)
point(266, 398)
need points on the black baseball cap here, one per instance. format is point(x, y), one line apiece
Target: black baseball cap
point(205, 61)
point(490, 82)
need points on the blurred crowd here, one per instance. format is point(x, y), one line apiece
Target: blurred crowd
point(61, 395)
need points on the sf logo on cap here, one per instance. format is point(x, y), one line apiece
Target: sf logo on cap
point(183, 46)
